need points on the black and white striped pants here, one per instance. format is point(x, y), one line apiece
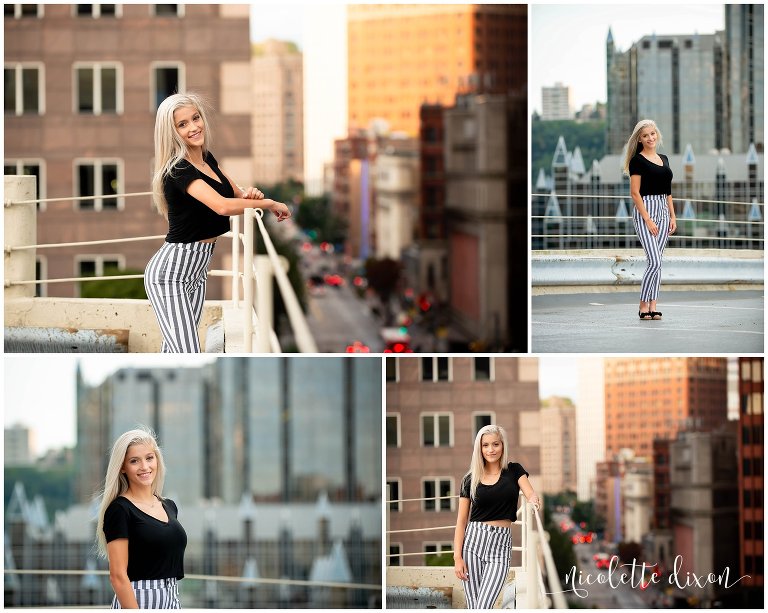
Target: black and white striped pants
point(175, 282)
point(653, 245)
point(486, 553)
point(154, 594)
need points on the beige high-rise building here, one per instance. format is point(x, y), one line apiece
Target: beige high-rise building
point(278, 112)
point(83, 82)
point(435, 406)
point(558, 445)
point(590, 425)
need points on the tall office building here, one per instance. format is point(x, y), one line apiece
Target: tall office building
point(278, 112)
point(556, 102)
point(435, 406)
point(751, 476)
point(401, 56)
point(82, 84)
point(558, 445)
point(648, 398)
point(245, 426)
point(590, 425)
point(745, 77)
point(703, 90)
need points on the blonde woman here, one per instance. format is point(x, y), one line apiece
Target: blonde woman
point(487, 508)
point(650, 185)
point(197, 198)
point(138, 530)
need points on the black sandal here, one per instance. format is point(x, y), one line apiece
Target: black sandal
point(648, 315)
point(654, 314)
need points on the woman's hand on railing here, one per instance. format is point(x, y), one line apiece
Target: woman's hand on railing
point(460, 568)
point(281, 211)
point(534, 500)
point(252, 193)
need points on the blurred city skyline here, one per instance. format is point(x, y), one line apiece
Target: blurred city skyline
point(578, 58)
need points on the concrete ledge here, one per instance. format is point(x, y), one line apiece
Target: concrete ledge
point(74, 314)
point(700, 267)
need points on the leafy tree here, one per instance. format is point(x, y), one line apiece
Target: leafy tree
point(440, 559)
point(383, 276)
point(629, 550)
point(54, 486)
point(315, 215)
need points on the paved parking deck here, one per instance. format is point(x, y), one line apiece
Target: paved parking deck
point(693, 322)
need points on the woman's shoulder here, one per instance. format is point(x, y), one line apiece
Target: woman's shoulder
point(171, 505)
point(120, 505)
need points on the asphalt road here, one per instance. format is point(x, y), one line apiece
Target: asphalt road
point(693, 322)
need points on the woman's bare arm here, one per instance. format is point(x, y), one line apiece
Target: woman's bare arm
point(203, 192)
point(117, 551)
point(460, 568)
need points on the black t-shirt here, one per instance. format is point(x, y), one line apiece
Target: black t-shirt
point(655, 180)
point(497, 501)
point(155, 548)
point(189, 220)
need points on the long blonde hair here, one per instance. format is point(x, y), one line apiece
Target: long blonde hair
point(634, 146)
point(170, 148)
point(477, 464)
point(116, 483)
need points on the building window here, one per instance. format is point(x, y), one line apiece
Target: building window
point(29, 167)
point(393, 429)
point(436, 430)
point(432, 550)
point(167, 79)
point(395, 487)
point(436, 369)
point(41, 273)
point(24, 89)
point(98, 88)
point(483, 367)
point(480, 420)
point(168, 10)
point(392, 369)
point(436, 493)
point(98, 178)
point(96, 10)
point(17, 11)
point(97, 265)
point(395, 549)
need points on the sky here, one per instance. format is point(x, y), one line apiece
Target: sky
point(50, 409)
point(282, 21)
point(566, 43)
point(558, 376)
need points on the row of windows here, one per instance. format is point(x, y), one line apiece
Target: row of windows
point(97, 87)
point(101, 177)
point(441, 369)
point(436, 429)
point(437, 493)
point(85, 266)
point(20, 11)
point(432, 548)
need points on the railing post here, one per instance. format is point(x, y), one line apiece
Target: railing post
point(248, 280)
point(387, 559)
point(235, 260)
point(264, 302)
point(20, 227)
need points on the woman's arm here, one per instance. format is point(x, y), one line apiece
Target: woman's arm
point(203, 192)
point(528, 492)
point(634, 191)
point(672, 218)
point(459, 567)
point(248, 193)
point(117, 551)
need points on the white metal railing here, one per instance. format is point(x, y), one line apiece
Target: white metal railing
point(537, 560)
point(256, 306)
point(602, 221)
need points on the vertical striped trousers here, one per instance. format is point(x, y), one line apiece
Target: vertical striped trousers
point(154, 594)
point(653, 245)
point(175, 282)
point(486, 553)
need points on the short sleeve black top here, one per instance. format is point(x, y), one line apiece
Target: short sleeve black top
point(497, 501)
point(655, 180)
point(155, 548)
point(189, 220)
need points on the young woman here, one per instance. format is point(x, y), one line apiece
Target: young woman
point(650, 185)
point(138, 530)
point(197, 198)
point(487, 508)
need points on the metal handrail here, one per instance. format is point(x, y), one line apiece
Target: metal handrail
point(627, 196)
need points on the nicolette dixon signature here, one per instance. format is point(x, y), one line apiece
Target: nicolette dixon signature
point(634, 576)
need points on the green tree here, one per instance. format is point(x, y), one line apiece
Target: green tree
point(316, 217)
point(440, 559)
point(383, 276)
point(54, 486)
